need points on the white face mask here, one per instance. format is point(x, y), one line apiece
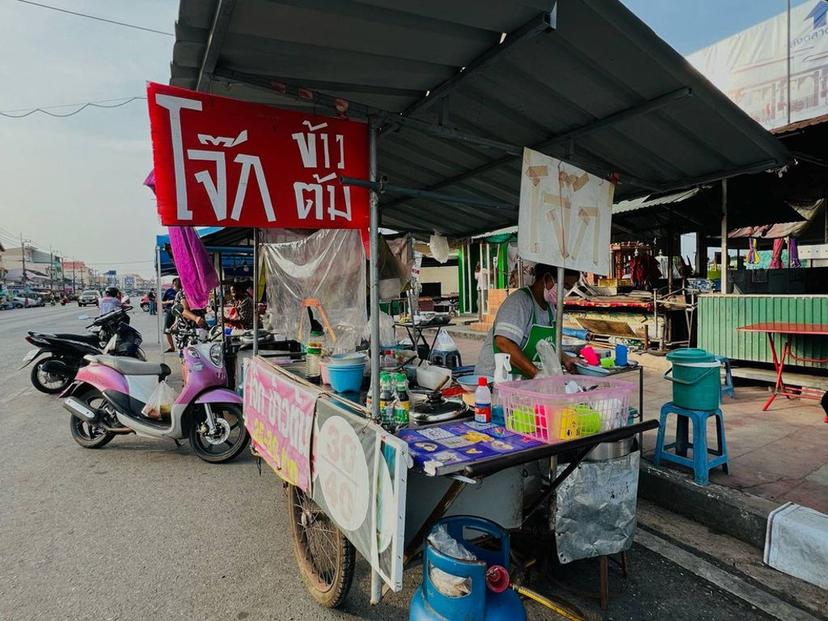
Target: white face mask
point(551, 295)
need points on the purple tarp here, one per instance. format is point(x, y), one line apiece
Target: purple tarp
point(193, 264)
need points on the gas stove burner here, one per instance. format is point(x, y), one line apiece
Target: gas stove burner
point(435, 409)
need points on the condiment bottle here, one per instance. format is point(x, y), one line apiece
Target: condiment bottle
point(403, 406)
point(482, 402)
point(386, 404)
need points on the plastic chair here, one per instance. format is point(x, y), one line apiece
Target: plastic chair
point(701, 463)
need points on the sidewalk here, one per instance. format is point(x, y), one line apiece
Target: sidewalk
point(780, 455)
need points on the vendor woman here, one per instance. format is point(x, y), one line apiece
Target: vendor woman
point(525, 318)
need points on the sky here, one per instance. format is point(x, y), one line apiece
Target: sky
point(75, 184)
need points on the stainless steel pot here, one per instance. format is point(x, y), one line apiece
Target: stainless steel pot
point(610, 450)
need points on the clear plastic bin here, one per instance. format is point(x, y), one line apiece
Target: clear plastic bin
point(542, 409)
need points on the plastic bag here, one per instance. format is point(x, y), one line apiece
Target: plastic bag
point(444, 342)
point(160, 401)
point(551, 363)
point(439, 247)
point(448, 584)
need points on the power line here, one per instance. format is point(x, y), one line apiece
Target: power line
point(91, 104)
point(118, 262)
point(96, 18)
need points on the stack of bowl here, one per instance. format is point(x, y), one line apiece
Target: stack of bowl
point(344, 372)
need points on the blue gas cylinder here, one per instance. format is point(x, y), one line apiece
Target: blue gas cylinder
point(480, 604)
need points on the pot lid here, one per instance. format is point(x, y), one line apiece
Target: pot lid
point(690, 354)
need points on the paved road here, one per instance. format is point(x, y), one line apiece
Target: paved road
point(144, 530)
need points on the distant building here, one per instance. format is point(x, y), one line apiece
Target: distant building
point(31, 265)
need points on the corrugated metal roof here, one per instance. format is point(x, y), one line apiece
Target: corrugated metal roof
point(653, 200)
point(798, 125)
point(586, 81)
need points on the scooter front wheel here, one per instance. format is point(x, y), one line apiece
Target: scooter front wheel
point(229, 438)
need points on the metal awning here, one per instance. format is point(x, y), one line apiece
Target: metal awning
point(653, 200)
point(462, 86)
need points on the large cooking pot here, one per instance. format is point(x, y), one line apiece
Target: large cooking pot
point(610, 450)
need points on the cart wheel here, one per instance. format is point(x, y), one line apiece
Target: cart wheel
point(325, 557)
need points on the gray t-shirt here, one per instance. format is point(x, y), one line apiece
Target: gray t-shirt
point(513, 320)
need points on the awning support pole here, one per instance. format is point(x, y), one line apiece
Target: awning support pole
point(559, 313)
point(255, 291)
point(725, 261)
point(157, 289)
point(373, 234)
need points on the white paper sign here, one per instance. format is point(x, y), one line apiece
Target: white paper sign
point(565, 215)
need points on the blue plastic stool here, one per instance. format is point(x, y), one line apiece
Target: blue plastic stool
point(701, 463)
point(727, 386)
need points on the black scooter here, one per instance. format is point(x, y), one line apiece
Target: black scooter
point(64, 353)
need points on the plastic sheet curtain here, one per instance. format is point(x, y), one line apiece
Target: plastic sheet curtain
point(327, 268)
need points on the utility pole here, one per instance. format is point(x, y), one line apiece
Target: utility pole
point(23, 254)
point(51, 274)
point(73, 276)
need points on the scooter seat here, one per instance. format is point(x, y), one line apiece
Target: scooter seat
point(89, 339)
point(130, 366)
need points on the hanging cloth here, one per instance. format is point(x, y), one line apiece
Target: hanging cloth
point(753, 252)
point(776, 257)
point(198, 276)
point(793, 252)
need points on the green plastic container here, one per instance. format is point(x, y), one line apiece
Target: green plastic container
point(696, 379)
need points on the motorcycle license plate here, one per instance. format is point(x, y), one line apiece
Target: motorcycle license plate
point(30, 356)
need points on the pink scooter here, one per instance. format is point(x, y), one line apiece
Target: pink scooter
point(110, 393)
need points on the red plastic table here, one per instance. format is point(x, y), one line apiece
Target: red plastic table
point(789, 330)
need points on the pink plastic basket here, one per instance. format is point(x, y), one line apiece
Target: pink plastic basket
point(542, 409)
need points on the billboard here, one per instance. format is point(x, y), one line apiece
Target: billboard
point(751, 67)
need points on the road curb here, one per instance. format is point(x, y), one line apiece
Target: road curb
point(722, 509)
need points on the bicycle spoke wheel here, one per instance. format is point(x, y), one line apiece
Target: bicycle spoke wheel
point(326, 558)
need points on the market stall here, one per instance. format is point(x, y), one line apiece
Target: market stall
point(311, 436)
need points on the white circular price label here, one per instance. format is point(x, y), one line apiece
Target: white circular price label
point(343, 473)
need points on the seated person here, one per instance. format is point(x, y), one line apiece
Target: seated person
point(526, 317)
point(243, 305)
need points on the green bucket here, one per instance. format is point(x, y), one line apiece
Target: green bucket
point(696, 379)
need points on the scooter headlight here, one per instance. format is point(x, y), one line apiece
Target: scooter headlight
point(216, 354)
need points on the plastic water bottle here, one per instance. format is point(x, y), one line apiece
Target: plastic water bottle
point(482, 401)
point(313, 355)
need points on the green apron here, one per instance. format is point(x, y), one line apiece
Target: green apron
point(537, 333)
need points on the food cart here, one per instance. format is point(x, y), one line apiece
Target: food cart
point(415, 73)
point(353, 485)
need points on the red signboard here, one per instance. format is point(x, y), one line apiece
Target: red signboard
point(223, 162)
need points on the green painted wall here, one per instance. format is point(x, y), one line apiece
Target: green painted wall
point(720, 315)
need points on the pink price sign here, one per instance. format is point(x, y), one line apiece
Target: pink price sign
point(279, 416)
